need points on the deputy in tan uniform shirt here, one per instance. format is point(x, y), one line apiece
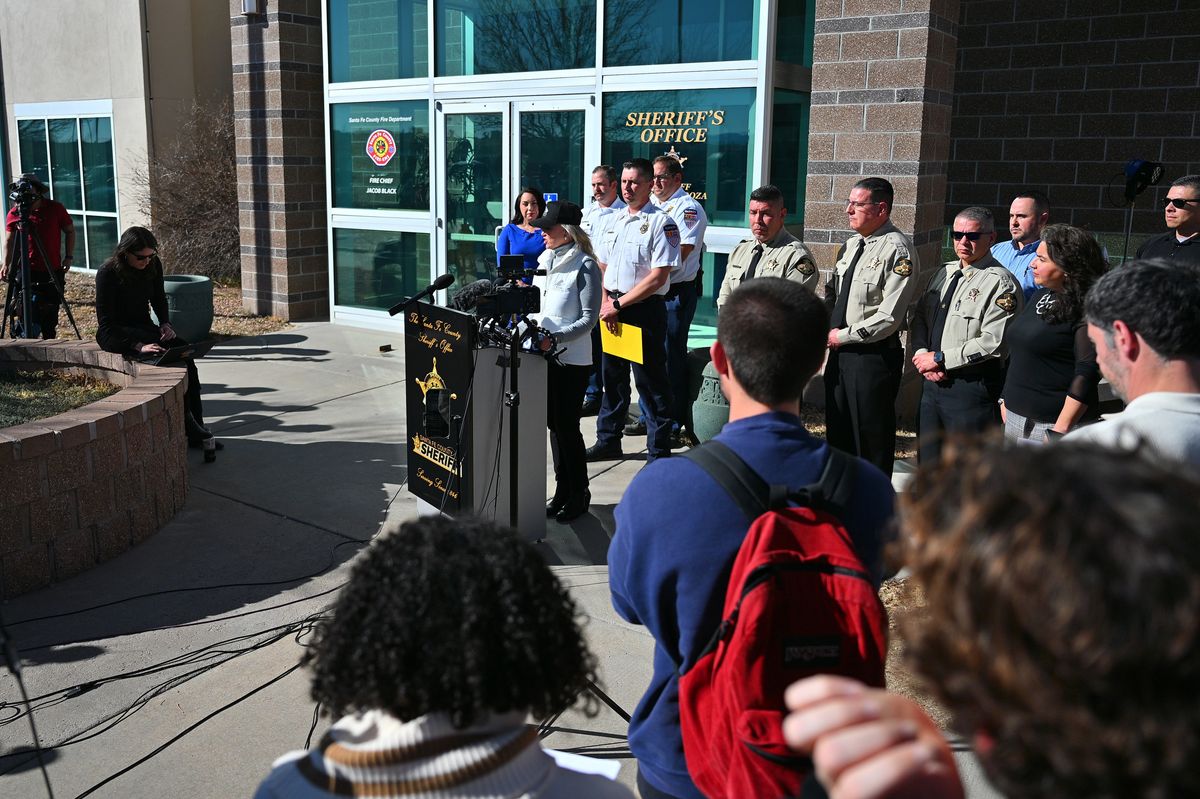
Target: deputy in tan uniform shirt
point(773, 252)
point(869, 294)
point(958, 336)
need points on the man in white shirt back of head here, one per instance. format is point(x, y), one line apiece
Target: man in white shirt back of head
point(1144, 318)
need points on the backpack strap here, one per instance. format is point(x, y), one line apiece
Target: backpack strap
point(833, 490)
point(744, 485)
point(835, 487)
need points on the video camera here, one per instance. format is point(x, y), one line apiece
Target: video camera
point(23, 193)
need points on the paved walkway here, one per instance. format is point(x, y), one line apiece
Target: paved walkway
point(313, 423)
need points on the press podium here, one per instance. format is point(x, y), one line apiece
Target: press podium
point(459, 422)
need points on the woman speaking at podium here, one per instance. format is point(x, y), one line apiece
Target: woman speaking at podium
point(570, 309)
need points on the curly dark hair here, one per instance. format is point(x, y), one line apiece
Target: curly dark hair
point(1079, 255)
point(1062, 586)
point(453, 616)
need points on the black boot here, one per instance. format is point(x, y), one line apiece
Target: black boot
point(575, 507)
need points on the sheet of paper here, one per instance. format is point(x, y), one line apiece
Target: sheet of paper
point(586, 765)
point(625, 343)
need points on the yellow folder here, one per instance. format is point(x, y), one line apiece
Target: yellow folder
point(625, 343)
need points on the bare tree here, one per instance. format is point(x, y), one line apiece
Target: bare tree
point(189, 192)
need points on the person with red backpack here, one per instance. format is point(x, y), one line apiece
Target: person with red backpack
point(680, 529)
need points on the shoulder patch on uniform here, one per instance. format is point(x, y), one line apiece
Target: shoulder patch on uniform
point(671, 231)
point(1007, 302)
point(903, 267)
point(806, 268)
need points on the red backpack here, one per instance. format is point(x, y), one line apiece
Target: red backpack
point(799, 603)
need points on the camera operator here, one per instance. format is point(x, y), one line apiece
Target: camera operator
point(570, 309)
point(48, 221)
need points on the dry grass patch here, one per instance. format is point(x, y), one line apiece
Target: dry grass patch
point(29, 396)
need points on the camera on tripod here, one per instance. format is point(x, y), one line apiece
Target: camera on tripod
point(24, 192)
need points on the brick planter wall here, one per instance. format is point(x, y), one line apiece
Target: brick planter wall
point(86, 485)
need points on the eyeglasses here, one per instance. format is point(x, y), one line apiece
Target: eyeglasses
point(858, 204)
point(1179, 202)
point(137, 257)
point(974, 235)
point(660, 178)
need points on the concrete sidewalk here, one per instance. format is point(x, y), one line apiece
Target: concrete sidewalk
point(314, 428)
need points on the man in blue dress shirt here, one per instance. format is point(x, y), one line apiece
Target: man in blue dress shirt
point(1027, 217)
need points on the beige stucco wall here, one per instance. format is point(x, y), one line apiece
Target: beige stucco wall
point(70, 50)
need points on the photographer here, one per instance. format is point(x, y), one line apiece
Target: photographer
point(570, 309)
point(127, 286)
point(47, 222)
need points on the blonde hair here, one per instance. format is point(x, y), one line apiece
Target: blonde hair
point(581, 239)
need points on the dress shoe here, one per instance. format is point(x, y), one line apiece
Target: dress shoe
point(603, 452)
point(591, 406)
point(555, 504)
point(682, 439)
point(576, 506)
point(637, 428)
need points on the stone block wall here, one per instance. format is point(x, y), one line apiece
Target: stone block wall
point(84, 486)
point(1058, 95)
point(278, 107)
point(882, 88)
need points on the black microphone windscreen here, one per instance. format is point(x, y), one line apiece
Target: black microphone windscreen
point(443, 281)
point(468, 297)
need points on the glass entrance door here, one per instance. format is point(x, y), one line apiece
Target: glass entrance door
point(550, 147)
point(472, 204)
point(488, 151)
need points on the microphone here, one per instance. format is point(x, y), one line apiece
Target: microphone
point(442, 282)
point(468, 297)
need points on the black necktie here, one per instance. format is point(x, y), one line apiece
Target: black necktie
point(939, 320)
point(758, 251)
point(838, 319)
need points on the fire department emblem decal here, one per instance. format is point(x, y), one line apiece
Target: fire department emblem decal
point(381, 147)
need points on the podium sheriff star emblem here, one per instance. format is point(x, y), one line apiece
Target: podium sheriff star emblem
point(676, 155)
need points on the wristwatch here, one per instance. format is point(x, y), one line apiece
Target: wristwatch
point(939, 358)
point(617, 304)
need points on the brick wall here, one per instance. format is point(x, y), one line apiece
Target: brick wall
point(278, 102)
point(84, 486)
point(882, 88)
point(1058, 95)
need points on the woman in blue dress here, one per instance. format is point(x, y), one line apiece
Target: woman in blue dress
point(519, 237)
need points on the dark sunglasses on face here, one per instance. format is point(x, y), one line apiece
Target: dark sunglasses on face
point(974, 235)
point(1178, 202)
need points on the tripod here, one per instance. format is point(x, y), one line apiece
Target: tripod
point(25, 235)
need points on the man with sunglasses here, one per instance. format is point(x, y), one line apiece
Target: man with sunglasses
point(958, 336)
point(868, 293)
point(1180, 244)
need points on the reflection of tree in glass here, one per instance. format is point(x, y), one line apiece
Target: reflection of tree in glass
point(535, 35)
point(552, 151)
point(626, 33)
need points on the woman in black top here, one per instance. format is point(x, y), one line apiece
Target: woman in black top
point(127, 286)
point(1052, 371)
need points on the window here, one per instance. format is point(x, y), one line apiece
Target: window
point(484, 37)
point(378, 40)
point(789, 150)
point(638, 32)
point(552, 153)
point(74, 157)
point(794, 32)
point(709, 129)
point(376, 269)
point(380, 155)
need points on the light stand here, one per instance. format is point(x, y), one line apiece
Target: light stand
point(13, 660)
point(1139, 176)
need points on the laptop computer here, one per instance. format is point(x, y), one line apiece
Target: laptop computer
point(178, 354)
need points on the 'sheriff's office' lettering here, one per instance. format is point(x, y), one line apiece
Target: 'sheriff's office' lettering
point(675, 126)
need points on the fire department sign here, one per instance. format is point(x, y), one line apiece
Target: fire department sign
point(381, 147)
